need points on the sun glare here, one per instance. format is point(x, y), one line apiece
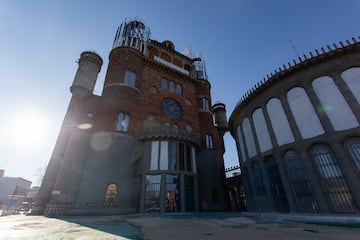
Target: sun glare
point(29, 129)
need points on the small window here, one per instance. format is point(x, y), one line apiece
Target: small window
point(122, 122)
point(209, 141)
point(130, 78)
point(178, 89)
point(164, 84)
point(205, 104)
point(171, 86)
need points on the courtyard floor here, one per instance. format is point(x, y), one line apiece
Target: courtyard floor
point(186, 226)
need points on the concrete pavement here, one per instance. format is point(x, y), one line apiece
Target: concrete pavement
point(182, 226)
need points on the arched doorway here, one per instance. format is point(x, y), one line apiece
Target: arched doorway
point(110, 196)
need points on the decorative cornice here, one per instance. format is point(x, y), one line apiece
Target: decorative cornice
point(158, 44)
point(172, 72)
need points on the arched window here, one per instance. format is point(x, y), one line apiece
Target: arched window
point(205, 104)
point(354, 148)
point(110, 196)
point(164, 84)
point(130, 78)
point(258, 180)
point(299, 182)
point(178, 89)
point(333, 182)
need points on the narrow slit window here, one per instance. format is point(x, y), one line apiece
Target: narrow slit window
point(209, 141)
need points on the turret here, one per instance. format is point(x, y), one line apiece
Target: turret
point(220, 118)
point(199, 68)
point(85, 79)
point(132, 34)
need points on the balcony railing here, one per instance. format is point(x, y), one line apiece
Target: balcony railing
point(168, 132)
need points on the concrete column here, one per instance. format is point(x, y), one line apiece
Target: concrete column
point(315, 102)
point(348, 96)
point(269, 127)
point(294, 128)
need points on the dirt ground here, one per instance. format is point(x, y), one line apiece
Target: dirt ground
point(156, 227)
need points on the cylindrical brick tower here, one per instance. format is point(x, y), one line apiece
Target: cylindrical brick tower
point(85, 79)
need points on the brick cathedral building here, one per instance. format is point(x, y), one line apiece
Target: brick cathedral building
point(151, 141)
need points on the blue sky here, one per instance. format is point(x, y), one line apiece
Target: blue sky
point(241, 41)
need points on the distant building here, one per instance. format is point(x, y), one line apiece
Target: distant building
point(298, 135)
point(151, 142)
point(13, 191)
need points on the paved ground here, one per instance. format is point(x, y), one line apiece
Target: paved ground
point(182, 226)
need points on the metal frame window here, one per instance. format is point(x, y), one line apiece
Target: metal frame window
point(299, 182)
point(354, 148)
point(333, 182)
point(173, 156)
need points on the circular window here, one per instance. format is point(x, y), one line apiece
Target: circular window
point(153, 90)
point(170, 108)
point(188, 128)
point(188, 101)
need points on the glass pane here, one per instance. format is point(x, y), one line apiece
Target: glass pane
point(122, 122)
point(119, 121)
point(354, 148)
point(154, 156)
point(125, 123)
point(178, 89)
point(299, 182)
point(171, 86)
point(173, 156)
point(152, 191)
point(339, 195)
point(205, 104)
point(164, 84)
point(172, 193)
point(164, 155)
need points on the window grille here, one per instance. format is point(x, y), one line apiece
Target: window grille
point(333, 182)
point(300, 183)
